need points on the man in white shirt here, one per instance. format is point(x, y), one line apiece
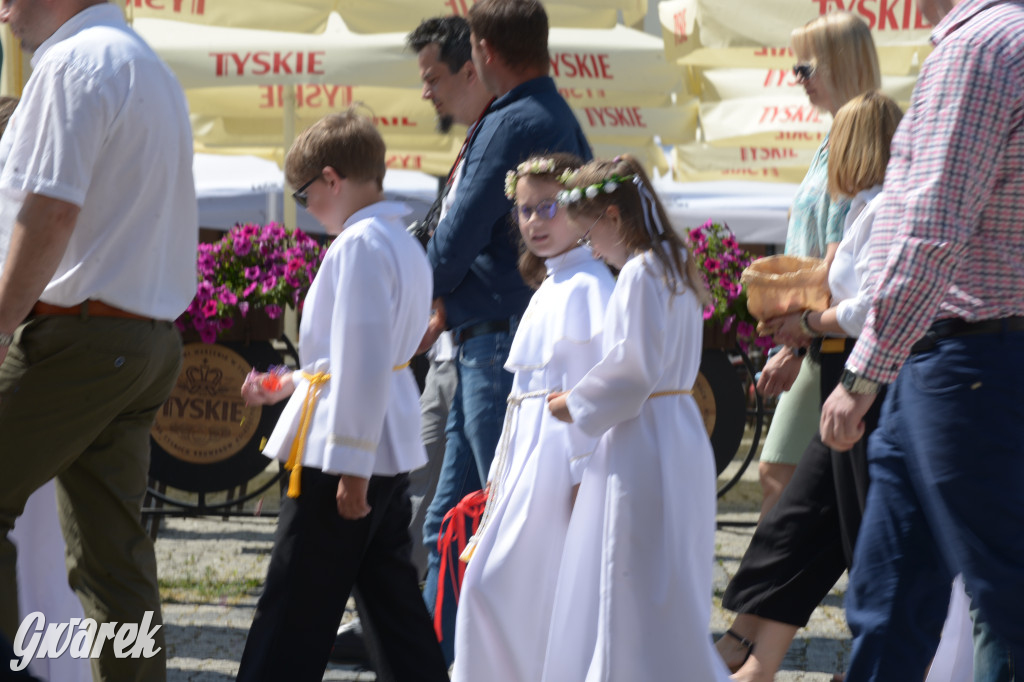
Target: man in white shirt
point(98, 232)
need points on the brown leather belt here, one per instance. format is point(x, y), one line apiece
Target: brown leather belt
point(90, 308)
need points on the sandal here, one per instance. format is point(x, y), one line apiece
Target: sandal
point(745, 643)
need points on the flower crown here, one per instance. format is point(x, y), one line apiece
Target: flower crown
point(606, 186)
point(532, 167)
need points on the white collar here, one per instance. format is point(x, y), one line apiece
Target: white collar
point(570, 259)
point(379, 209)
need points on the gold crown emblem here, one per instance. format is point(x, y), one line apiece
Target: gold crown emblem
point(204, 379)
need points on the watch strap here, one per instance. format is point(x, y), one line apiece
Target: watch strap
point(854, 383)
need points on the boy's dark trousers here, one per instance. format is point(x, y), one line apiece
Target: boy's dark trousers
point(318, 557)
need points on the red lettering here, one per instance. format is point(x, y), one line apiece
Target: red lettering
point(240, 61)
point(774, 52)
point(578, 65)
point(198, 6)
point(259, 60)
point(615, 117)
point(888, 12)
point(281, 63)
point(220, 57)
point(264, 63)
point(867, 14)
point(414, 162)
point(679, 27)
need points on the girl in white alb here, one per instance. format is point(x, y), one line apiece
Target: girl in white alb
point(633, 599)
point(508, 590)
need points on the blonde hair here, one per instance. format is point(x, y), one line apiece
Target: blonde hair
point(680, 268)
point(859, 143)
point(840, 47)
point(531, 266)
point(348, 142)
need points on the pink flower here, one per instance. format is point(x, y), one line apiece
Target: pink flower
point(243, 308)
point(273, 311)
point(712, 264)
point(210, 308)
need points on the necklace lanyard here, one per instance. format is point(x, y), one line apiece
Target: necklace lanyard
point(465, 143)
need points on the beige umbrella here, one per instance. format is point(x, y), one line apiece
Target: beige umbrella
point(365, 16)
point(737, 61)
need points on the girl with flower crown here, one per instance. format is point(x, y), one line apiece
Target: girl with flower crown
point(633, 598)
point(508, 590)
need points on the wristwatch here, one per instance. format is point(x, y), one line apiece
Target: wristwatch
point(805, 326)
point(6, 339)
point(854, 383)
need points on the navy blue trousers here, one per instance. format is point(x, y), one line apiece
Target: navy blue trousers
point(947, 496)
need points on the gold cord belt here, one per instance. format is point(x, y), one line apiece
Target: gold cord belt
point(496, 489)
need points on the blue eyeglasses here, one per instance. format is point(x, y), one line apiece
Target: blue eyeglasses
point(545, 210)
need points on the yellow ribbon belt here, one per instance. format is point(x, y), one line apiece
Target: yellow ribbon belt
point(294, 463)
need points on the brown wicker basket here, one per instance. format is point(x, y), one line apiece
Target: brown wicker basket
point(777, 285)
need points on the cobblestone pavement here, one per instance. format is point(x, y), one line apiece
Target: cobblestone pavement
point(211, 569)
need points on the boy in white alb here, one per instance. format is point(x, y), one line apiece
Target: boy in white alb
point(350, 431)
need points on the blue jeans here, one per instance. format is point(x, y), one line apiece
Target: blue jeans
point(474, 427)
point(947, 470)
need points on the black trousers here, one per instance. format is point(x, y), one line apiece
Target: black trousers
point(318, 558)
point(805, 542)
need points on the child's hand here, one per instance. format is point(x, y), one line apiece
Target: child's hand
point(558, 407)
point(351, 497)
point(267, 388)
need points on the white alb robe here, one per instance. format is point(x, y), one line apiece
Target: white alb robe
point(363, 318)
point(508, 590)
point(633, 599)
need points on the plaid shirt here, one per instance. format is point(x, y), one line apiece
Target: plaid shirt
point(949, 238)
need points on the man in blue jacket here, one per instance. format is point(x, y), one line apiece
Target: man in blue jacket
point(478, 292)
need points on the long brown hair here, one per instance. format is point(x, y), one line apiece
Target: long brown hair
point(550, 167)
point(632, 190)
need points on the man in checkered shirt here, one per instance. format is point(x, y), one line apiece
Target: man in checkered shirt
point(946, 330)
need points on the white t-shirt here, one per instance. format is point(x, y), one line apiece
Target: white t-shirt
point(103, 124)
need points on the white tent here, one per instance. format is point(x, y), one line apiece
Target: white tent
point(235, 189)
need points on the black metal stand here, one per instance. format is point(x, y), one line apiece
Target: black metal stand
point(758, 413)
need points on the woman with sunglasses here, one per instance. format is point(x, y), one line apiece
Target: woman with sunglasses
point(836, 62)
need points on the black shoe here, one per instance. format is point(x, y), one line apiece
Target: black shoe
point(350, 648)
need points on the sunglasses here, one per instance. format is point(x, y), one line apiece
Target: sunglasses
point(545, 210)
point(301, 196)
point(803, 71)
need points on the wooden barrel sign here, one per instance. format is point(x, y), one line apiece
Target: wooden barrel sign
point(205, 437)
